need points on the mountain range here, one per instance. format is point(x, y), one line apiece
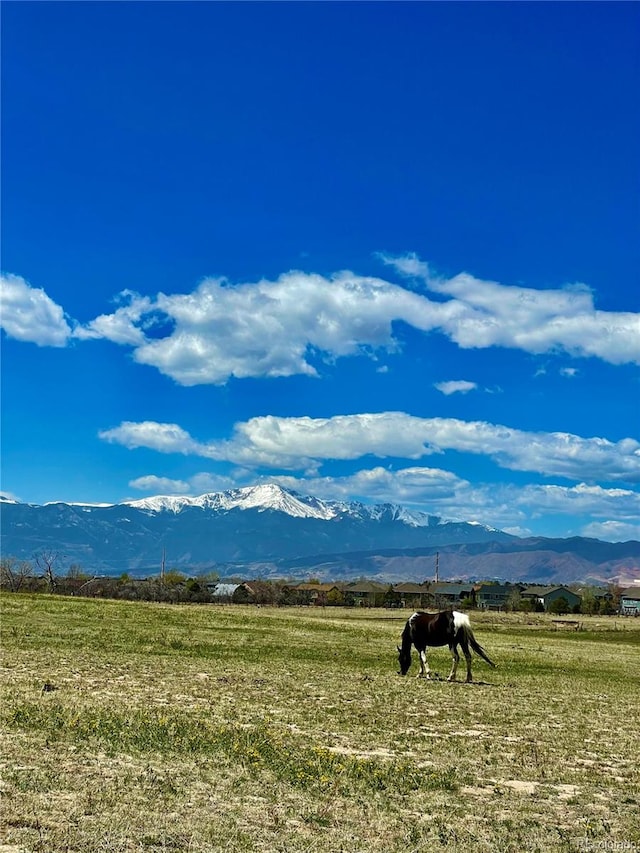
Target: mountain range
point(268, 531)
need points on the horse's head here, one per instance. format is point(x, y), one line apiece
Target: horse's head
point(404, 659)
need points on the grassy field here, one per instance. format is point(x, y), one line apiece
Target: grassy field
point(144, 727)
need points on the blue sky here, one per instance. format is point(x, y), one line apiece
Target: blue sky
point(374, 251)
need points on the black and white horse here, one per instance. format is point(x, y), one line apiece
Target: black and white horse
point(448, 628)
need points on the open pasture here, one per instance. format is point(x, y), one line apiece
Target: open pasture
point(145, 727)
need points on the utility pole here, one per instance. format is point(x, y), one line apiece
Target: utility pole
point(437, 564)
point(164, 554)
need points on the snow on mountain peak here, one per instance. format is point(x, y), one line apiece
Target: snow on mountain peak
point(268, 496)
point(272, 497)
point(162, 503)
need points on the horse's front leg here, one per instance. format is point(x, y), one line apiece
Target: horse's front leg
point(424, 665)
point(454, 667)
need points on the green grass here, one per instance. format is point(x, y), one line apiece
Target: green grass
point(141, 727)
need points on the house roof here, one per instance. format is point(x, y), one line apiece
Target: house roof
point(225, 590)
point(367, 586)
point(537, 590)
point(632, 592)
point(450, 588)
point(543, 591)
point(493, 589)
point(410, 587)
point(317, 587)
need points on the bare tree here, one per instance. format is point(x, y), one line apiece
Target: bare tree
point(14, 573)
point(514, 599)
point(46, 562)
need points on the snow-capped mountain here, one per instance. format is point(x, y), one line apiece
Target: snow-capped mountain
point(255, 523)
point(277, 499)
point(263, 497)
point(269, 531)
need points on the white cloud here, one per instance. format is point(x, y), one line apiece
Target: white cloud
point(283, 327)
point(282, 441)
point(486, 313)
point(582, 499)
point(198, 484)
point(160, 485)
point(207, 482)
point(506, 506)
point(612, 531)
point(409, 265)
point(29, 315)
point(407, 485)
point(285, 443)
point(165, 438)
point(274, 329)
point(455, 386)
point(119, 327)
point(569, 372)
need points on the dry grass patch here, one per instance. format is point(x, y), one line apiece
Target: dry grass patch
point(141, 727)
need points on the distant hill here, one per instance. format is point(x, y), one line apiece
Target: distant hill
point(269, 531)
point(527, 560)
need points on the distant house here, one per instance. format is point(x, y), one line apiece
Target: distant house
point(603, 595)
point(366, 593)
point(414, 595)
point(449, 594)
point(630, 601)
point(316, 593)
point(572, 598)
point(546, 595)
point(494, 596)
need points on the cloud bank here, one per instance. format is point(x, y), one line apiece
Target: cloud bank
point(615, 511)
point(284, 443)
point(196, 485)
point(289, 326)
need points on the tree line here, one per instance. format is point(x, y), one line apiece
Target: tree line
point(45, 575)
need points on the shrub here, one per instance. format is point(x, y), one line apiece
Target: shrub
point(559, 606)
point(335, 597)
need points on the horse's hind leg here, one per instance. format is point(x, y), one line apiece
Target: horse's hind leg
point(424, 665)
point(467, 656)
point(456, 659)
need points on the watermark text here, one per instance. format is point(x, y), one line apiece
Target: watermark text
point(606, 844)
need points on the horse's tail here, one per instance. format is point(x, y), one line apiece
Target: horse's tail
point(461, 622)
point(477, 648)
